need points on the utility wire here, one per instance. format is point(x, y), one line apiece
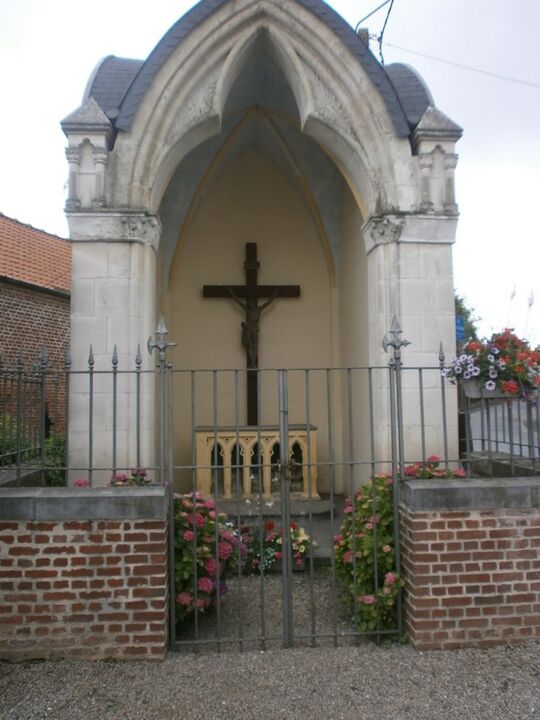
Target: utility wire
point(380, 38)
point(359, 23)
point(463, 67)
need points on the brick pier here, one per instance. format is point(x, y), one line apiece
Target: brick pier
point(83, 573)
point(471, 561)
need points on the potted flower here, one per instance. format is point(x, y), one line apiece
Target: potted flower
point(430, 469)
point(265, 550)
point(503, 364)
point(138, 477)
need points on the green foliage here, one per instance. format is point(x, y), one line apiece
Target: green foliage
point(365, 555)
point(55, 460)
point(469, 317)
point(207, 550)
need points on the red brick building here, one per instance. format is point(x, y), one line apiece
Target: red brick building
point(35, 285)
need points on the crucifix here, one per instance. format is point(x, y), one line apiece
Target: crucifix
point(248, 296)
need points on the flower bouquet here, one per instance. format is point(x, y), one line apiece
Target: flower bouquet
point(265, 550)
point(504, 362)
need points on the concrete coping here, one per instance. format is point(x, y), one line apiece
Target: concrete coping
point(70, 503)
point(471, 494)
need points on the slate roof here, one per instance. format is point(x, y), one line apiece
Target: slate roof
point(108, 83)
point(413, 92)
point(119, 84)
point(34, 256)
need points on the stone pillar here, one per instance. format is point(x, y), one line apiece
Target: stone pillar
point(73, 157)
point(100, 160)
point(112, 304)
point(410, 276)
point(450, 163)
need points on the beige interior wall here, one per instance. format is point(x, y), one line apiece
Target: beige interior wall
point(353, 317)
point(251, 200)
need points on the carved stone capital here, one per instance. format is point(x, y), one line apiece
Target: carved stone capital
point(114, 226)
point(409, 228)
point(450, 161)
point(382, 230)
point(100, 156)
point(140, 227)
point(73, 155)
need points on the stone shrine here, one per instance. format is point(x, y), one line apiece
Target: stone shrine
point(267, 122)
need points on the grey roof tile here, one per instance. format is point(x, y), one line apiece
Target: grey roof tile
point(413, 92)
point(108, 83)
point(181, 29)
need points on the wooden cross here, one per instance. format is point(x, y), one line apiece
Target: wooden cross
point(247, 296)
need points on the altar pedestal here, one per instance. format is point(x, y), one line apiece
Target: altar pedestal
point(267, 438)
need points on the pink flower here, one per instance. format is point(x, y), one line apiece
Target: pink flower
point(390, 578)
point(212, 514)
point(460, 473)
point(369, 526)
point(348, 556)
point(387, 548)
point(80, 482)
point(224, 550)
point(200, 603)
point(209, 505)
point(410, 471)
point(433, 459)
point(347, 509)
point(186, 504)
point(188, 535)
point(211, 566)
point(205, 584)
point(196, 519)
point(184, 598)
point(387, 590)
point(367, 599)
point(338, 538)
point(299, 562)
point(278, 555)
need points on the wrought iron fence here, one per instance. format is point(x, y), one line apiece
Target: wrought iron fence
point(322, 435)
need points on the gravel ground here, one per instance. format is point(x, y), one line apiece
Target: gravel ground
point(344, 684)
point(323, 683)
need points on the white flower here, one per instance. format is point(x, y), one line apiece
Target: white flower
point(490, 358)
point(492, 373)
point(490, 385)
point(475, 371)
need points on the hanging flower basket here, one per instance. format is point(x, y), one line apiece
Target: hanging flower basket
point(475, 390)
point(503, 366)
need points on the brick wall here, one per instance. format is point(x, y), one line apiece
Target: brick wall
point(33, 319)
point(473, 570)
point(85, 588)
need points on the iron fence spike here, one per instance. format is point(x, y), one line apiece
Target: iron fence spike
point(138, 357)
point(115, 358)
point(91, 359)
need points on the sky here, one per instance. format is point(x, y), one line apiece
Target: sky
point(48, 49)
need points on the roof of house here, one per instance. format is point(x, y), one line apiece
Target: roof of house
point(118, 84)
point(34, 256)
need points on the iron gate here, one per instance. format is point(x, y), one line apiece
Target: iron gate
point(258, 554)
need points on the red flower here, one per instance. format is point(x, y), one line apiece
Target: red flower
point(269, 525)
point(511, 387)
point(293, 526)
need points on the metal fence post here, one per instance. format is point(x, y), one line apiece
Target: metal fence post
point(392, 340)
point(162, 345)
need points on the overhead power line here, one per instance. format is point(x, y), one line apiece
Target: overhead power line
point(359, 23)
point(464, 67)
